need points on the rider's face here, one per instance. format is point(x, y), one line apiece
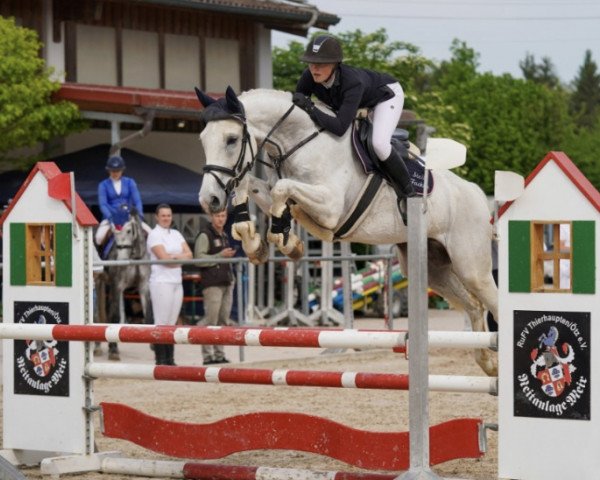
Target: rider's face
point(321, 71)
point(115, 174)
point(164, 217)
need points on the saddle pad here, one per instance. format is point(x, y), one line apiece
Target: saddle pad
point(416, 168)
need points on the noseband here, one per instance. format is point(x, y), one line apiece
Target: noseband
point(239, 171)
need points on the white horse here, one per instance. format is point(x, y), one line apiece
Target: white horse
point(319, 183)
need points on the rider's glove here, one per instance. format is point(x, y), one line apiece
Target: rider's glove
point(303, 102)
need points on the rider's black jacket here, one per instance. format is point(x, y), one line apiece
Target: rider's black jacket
point(353, 88)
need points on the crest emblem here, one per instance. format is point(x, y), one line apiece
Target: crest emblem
point(552, 370)
point(552, 364)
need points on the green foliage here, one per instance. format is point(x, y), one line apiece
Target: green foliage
point(287, 66)
point(542, 72)
point(27, 115)
point(582, 146)
point(585, 101)
point(514, 124)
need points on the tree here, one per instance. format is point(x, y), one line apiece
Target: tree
point(585, 101)
point(582, 147)
point(514, 124)
point(27, 114)
point(543, 73)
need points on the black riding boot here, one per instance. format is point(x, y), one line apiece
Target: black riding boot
point(170, 354)
point(113, 351)
point(160, 353)
point(396, 170)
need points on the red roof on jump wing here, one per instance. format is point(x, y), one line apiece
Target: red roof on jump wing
point(85, 217)
point(571, 171)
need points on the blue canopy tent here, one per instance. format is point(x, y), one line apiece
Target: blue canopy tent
point(158, 181)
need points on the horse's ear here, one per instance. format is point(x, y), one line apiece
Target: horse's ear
point(204, 99)
point(233, 103)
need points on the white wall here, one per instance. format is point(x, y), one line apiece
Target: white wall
point(54, 52)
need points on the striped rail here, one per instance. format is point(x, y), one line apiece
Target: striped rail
point(211, 471)
point(242, 336)
point(302, 378)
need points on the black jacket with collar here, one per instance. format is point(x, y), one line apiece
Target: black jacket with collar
point(353, 88)
point(219, 275)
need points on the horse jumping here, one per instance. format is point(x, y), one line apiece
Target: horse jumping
point(317, 181)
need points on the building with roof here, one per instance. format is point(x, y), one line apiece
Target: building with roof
point(131, 65)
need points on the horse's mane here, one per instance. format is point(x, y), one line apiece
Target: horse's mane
point(266, 104)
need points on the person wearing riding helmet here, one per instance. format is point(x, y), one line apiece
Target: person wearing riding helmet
point(117, 196)
point(346, 89)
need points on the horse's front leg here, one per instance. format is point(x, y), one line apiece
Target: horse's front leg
point(244, 230)
point(319, 202)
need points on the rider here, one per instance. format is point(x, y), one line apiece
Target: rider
point(117, 196)
point(346, 89)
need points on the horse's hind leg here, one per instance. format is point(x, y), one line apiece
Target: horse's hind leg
point(445, 282)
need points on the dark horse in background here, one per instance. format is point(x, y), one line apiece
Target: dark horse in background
point(128, 243)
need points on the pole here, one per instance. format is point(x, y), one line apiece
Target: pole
point(418, 362)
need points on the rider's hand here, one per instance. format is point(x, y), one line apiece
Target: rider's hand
point(303, 102)
point(228, 252)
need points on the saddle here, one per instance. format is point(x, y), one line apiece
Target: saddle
point(362, 131)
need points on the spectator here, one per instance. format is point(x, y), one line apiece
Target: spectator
point(117, 196)
point(216, 280)
point(166, 288)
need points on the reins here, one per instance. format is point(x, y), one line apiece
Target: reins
point(239, 171)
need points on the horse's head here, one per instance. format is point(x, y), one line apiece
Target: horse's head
point(228, 148)
point(129, 242)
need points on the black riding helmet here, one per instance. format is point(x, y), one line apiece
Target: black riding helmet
point(323, 49)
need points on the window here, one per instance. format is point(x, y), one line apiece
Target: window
point(40, 248)
point(551, 257)
point(41, 254)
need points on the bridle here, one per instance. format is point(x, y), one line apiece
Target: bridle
point(239, 170)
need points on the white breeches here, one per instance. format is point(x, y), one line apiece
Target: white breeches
point(385, 120)
point(166, 302)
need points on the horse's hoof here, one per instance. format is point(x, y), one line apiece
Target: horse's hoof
point(97, 351)
point(114, 356)
point(297, 252)
point(487, 362)
point(262, 254)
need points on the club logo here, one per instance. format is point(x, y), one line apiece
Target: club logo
point(41, 366)
point(552, 364)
